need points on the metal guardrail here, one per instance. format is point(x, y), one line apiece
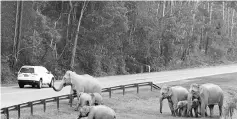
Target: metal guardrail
point(30, 104)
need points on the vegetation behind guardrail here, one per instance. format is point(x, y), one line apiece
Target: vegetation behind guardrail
point(30, 104)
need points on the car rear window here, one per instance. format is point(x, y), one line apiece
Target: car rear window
point(27, 70)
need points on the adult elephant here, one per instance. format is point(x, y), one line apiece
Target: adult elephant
point(73, 89)
point(173, 95)
point(209, 94)
point(79, 83)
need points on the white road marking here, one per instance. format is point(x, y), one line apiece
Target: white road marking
point(39, 90)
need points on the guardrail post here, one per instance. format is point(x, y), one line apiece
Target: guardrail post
point(137, 87)
point(31, 107)
point(123, 89)
point(151, 83)
point(70, 98)
point(110, 91)
point(18, 107)
point(44, 104)
point(57, 100)
point(6, 111)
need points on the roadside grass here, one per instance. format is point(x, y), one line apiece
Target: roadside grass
point(144, 105)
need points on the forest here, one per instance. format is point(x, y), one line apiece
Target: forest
point(104, 38)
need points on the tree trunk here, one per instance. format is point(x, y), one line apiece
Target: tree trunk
point(76, 38)
point(55, 51)
point(201, 39)
point(223, 11)
point(171, 6)
point(207, 43)
point(228, 21)
point(69, 23)
point(17, 36)
point(34, 37)
point(164, 8)
point(16, 27)
point(232, 24)
point(208, 6)
point(157, 11)
point(210, 12)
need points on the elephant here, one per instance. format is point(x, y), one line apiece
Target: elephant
point(73, 90)
point(85, 99)
point(182, 107)
point(209, 94)
point(97, 112)
point(79, 83)
point(97, 99)
point(173, 95)
point(193, 104)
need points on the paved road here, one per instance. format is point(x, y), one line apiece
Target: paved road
point(14, 95)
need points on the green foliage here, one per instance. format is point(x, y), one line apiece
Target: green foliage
point(120, 37)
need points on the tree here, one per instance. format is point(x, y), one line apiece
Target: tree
point(78, 29)
point(17, 36)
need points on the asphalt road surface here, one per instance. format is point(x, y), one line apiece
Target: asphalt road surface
point(15, 95)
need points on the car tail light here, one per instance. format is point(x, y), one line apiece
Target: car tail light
point(34, 74)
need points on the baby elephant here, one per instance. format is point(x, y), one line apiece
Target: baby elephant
point(183, 105)
point(194, 106)
point(84, 99)
point(97, 112)
point(96, 99)
point(182, 108)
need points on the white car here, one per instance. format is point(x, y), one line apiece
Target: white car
point(35, 76)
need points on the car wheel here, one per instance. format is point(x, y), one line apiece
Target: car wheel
point(39, 84)
point(21, 85)
point(33, 86)
point(51, 83)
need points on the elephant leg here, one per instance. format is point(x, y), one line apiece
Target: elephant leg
point(79, 101)
point(180, 112)
point(203, 109)
point(220, 109)
point(211, 109)
point(184, 112)
point(175, 107)
point(206, 111)
point(196, 111)
point(231, 112)
point(171, 108)
point(78, 105)
point(71, 92)
point(191, 113)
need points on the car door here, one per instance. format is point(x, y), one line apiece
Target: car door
point(47, 75)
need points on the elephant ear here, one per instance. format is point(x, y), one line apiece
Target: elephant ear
point(170, 92)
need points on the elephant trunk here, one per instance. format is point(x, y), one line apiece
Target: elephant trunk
point(60, 87)
point(161, 103)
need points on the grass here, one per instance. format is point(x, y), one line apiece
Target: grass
point(144, 105)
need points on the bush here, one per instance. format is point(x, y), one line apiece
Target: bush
point(7, 76)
